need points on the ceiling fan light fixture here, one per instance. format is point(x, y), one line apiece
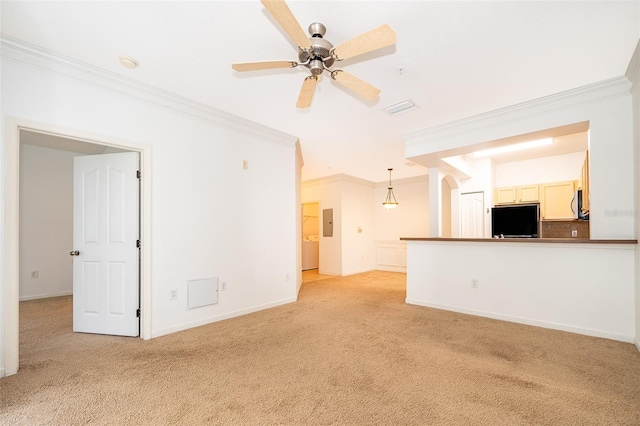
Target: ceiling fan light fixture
point(390, 202)
point(318, 54)
point(316, 67)
point(400, 107)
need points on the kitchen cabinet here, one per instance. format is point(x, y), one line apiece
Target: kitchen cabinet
point(555, 200)
point(583, 184)
point(506, 195)
point(517, 194)
point(528, 194)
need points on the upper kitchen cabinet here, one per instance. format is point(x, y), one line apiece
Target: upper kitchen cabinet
point(506, 195)
point(517, 194)
point(583, 184)
point(528, 194)
point(556, 200)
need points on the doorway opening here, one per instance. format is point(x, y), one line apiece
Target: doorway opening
point(35, 142)
point(46, 212)
point(310, 236)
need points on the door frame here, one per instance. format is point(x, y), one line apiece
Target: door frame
point(11, 236)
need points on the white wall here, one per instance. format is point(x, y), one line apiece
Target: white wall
point(357, 205)
point(582, 288)
point(556, 168)
point(446, 209)
point(348, 251)
point(357, 227)
point(46, 221)
point(483, 180)
point(410, 218)
point(633, 73)
point(599, 298)
point(298, 178)
point(327, 193)
point(606, 106)
point(210, 216)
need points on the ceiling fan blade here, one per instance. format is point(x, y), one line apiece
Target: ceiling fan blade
point(281, 13)
point(267, 65)
point(377, 38)
point(361, 87)
point(306, 93)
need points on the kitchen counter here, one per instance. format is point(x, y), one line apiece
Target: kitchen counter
point(523, 240)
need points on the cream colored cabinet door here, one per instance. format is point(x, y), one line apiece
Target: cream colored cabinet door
point(528, 194)
point(585, 184)
point(506, 195)
point(556, 200)
point(517, 194)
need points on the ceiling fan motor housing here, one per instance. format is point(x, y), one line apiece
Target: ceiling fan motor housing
point(319, 53)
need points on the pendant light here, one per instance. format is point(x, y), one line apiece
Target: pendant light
point(390, 202)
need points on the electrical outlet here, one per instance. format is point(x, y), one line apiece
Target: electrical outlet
point(286, 277)
point(223, 286)
point(245, 164)
point(173, 294)
point(34, 274)
point(574, 232)
point(474, 283)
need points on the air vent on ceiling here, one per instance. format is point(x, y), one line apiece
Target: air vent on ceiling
point(403, 106)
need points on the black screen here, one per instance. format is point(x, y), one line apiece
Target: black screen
point(515, 221)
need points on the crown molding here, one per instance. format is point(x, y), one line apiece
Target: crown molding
point(35, 57)
point(336, 178)
point(593, 92)
point(347, 178)
point(633, 70)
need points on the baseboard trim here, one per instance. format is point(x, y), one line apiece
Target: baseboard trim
point(1, 372)
point(637, 342)
point(529, 321)
point(221, 317)
point(46, 296)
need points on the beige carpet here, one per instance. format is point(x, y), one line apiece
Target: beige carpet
point(349, 352)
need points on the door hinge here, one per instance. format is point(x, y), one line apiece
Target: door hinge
point(138, 244)
point(138, 174)
point(138, 313)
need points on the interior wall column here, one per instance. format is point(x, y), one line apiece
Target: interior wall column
point(455, 213)
point(435, 203)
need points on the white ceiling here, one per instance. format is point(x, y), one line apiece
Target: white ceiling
point(458, 58)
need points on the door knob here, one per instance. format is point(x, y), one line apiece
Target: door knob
point(74, 253)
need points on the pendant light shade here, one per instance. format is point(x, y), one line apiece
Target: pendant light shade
point(390, 202)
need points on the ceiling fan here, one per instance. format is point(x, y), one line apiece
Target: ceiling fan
point(319, 55)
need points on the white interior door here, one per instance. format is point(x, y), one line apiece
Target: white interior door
point(472, 217)
point(105, 232)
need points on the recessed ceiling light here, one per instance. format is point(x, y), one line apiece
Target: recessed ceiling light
point(128, 62)
point(403, 106)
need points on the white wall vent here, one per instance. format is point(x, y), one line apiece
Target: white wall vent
point(403, 106)
point(202, 292)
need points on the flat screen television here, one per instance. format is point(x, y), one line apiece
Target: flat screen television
point(519, 221)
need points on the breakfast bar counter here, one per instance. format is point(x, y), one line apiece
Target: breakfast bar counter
point(578, 285)
point(524, 240)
